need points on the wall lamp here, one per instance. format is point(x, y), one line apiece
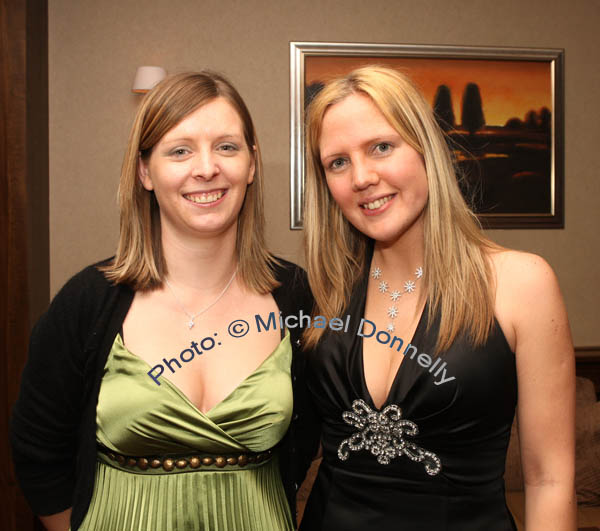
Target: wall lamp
point(146, 77)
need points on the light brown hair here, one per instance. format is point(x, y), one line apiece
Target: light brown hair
point(139, 261)
point(457, 280)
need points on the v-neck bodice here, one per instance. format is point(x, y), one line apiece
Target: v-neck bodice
point(432, 456)
point(137, 417)
point(400, 384)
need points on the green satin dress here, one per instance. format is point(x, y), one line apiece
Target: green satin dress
point(135, 417)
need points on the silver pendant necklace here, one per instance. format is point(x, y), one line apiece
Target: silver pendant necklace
point(385, 289)
point(191, 316)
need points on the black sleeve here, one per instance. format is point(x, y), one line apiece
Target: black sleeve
point(307, 422)
point(46, 416)
point(307, 430)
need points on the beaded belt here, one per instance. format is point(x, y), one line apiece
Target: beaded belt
point(182, 464)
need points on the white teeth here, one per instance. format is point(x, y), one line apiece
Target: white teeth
point(377, 203)
point(205, 198)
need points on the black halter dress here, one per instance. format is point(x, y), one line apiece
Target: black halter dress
point(432, 458)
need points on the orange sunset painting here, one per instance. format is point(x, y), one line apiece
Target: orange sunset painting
point(497, 115)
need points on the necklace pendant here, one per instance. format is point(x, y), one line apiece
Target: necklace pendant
point(190, 323)
point(394, 294)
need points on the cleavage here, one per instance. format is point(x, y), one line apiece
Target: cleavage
point(382, 362)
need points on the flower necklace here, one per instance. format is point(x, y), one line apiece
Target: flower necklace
point(384, 288)
point(191, 316)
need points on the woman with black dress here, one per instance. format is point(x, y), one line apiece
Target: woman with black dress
point(449, 334)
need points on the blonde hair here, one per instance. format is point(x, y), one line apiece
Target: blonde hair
point(139, 261)
point(458, 281)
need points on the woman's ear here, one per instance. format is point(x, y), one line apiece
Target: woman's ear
point(144, 174)
point(253, 155)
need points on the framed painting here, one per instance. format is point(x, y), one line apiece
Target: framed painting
point(501, 109)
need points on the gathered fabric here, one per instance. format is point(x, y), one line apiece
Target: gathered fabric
point(135, 417)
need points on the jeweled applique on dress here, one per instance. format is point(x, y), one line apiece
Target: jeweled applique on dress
point(382, 433)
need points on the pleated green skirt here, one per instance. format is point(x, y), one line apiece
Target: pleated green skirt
point(245, 499)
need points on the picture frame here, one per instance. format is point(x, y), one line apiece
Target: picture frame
point(511, 166)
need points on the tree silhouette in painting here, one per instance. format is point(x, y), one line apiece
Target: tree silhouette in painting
point(545, 120)
point(514, 123)
point(442, 107)
point(472, 109)
point(531, 120)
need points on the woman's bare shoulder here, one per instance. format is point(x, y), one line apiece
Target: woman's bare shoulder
point(520, 271)
point(526, 288)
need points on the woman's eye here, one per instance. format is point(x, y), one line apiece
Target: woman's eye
point(383, 147)
point(228, 148)
point(179, 152)
point(336, 164)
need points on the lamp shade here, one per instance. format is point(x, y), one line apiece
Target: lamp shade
point(146, 77)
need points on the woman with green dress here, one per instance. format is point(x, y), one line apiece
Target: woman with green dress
point(152, 399)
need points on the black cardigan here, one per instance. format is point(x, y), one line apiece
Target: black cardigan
point(53, 426)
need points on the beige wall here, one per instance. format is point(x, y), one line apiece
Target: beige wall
point(95, 47)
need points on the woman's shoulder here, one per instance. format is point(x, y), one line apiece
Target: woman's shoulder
point(73, 311)
point(294, 290)
point(520, 270)
point(83, 292)
point(526, 286)
point(88, 279)
point(288, 272)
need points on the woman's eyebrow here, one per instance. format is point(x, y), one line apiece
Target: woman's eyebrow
point(178, 139)
point(191, 139)
point(329, 155)
point(366, 143)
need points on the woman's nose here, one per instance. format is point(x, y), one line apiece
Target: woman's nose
point(363, 175)
point(205, 165)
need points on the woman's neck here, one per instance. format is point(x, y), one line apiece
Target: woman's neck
point(402, 257)
point(200, 265)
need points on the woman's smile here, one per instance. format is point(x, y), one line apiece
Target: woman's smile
point(206, 199)
point(373, 207)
